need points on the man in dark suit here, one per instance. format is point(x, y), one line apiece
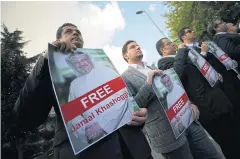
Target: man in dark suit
point(230, 83)
point(189, 145)
point(37, 98)
point(214, 104)
point(228, 42)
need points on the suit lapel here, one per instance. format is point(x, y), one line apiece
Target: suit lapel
point(137, 73)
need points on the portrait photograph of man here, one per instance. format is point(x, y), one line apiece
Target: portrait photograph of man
point(80, 73)
point(169, 90)
point(220, 55)
point(203, 66)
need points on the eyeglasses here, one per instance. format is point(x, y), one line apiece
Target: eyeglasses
point(167, 44)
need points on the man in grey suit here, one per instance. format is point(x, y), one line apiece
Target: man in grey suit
point(193, 143)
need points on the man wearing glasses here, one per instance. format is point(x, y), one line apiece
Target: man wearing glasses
point(212, 102)
point(228, 42)
point(226, 90)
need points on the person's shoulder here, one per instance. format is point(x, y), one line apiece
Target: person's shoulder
point(223, 36)
point(126, 72)
point(165, 63)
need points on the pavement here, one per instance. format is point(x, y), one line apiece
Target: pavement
point(159, 156)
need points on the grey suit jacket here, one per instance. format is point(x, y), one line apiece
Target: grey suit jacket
point(157, 125)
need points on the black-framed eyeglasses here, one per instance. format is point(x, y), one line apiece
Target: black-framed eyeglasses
point(167, 44)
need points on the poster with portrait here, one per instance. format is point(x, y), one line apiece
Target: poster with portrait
point(223, 57)
point(174, 100)
point(92, 97)
point(220, 55)
point(203, 66)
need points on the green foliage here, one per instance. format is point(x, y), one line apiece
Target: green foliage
point(195, 14)
point(15, 68)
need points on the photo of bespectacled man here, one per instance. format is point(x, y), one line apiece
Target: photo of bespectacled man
point(169, 90)
point(75, 75)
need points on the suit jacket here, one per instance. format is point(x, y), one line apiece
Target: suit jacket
point(33, 106)
point(230, 44)
point(230, 84)
point(212, 102)
point(157, 125)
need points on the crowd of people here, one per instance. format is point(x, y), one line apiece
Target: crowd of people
point(215, 100)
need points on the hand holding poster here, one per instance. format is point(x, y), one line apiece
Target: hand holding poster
point(174, 100)
point(92, 97)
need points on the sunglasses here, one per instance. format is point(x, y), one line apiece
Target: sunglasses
point(188, 31)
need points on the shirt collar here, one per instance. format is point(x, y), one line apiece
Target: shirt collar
point(169, 56)
point(196, 44)
point(221, 33)
point(137, 66)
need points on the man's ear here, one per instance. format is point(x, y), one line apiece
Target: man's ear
point(125, 55)
point(183, 38)
point(162, 50)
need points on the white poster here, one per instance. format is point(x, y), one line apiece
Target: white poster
point(204, 67)
point(92, 97)
point(174, 100)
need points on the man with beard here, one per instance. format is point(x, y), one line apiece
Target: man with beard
point(213, 103)
point(87, 71)
point(37, 98)
point(229, 42)
point(138, 78)
point(230, 85)
point(168, 99)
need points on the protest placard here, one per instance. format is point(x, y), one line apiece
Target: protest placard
point(210, 74)
point(92, 97)
point(223, 57)
point(174, 100)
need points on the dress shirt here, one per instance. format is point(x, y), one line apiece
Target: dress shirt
point(196, 44)
point(142, 68)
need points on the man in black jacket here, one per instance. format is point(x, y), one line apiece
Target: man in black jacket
point(230, 84)
point(214, 106)
point(228, 42)
point(37, 98)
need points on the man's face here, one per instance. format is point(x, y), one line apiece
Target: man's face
point(189, 35)
point(134, 52)
point(82, 63)
point(168, 47)
point(233, 28)
point(167, 83)
point(220, 26)
point(73, 35)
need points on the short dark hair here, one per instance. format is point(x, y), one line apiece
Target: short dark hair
point(181, 33)
point(124, 48)
point(60, 29)
point(160, 45)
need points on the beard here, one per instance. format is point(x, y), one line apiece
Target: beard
point(139, 56)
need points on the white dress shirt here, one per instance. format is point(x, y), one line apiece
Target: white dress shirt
point(142, 68)
point(196, 44)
